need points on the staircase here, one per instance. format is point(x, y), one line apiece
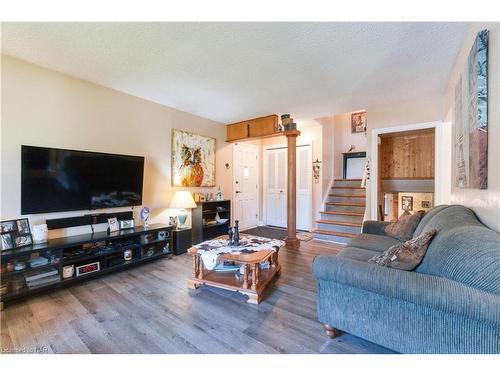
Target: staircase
point(343, 215)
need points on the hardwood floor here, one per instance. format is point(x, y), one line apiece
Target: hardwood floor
point(149, 309)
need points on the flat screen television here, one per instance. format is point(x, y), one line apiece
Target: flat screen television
point(55, 180)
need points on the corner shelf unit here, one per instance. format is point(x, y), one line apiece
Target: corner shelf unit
point(205, 212)
point(105, 251)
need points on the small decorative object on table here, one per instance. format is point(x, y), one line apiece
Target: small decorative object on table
point(113, 224)
point(219, 196)
point(230, 236)
point(236, 234)
point(145, 217)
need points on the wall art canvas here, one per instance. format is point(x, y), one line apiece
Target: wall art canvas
point(193, 159)
point(358, 122)
point(470, 119)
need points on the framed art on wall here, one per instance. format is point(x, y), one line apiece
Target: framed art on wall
point(358, 122)
point(470, 119)
point(193, 159)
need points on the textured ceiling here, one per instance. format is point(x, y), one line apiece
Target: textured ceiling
point(234, 71)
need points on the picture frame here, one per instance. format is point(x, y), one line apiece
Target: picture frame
point(23, 226)
point(358, 122)
point(8, 226)
point(126, 224)
point(406, 203)
point(113, 224)
point(6, 241)
point(22, 240)
point(15, 233)
point(193, 159)
point(426, 204)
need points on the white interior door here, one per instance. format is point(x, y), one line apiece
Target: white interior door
point(275, 169)
point(245, 185)
point(304, 188)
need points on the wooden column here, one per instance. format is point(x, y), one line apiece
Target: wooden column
point(291, 238)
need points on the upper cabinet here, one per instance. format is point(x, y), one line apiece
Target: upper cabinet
point(255, 128)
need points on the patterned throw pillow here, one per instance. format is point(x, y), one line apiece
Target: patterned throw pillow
point(405, 226)
point(407, 255)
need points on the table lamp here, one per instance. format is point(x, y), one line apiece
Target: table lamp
point(182, 200)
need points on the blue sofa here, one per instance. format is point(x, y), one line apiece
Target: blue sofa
point(449, 304)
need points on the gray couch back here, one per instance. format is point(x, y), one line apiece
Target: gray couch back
point(463, 250)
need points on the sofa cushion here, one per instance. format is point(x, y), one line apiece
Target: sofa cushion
point(447, 217)
point(427, 217)
point(373, 242)
point(357, 253)
point(405, 226)
point(407, 255)
point(463, 250)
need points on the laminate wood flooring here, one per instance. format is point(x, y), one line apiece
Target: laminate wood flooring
point(149, 309)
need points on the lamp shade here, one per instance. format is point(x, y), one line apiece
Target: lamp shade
point(182, 199)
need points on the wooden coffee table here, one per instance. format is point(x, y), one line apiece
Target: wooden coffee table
point(253, 281)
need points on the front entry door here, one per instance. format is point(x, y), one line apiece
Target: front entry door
point(245, 185)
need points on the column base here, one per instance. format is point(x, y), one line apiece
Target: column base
point(292, 242)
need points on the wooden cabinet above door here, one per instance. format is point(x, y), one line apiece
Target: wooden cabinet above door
point(254, 128)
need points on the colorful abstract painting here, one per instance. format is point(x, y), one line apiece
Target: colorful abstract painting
point(193, 159)
point(470, 118)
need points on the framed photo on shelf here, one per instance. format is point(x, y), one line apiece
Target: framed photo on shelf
point(15, 234)
point(8, 226)
point(6, 242)
point(113, 224)
point(406, 203)
point(126, 224)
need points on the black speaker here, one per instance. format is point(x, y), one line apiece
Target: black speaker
point(76, 221)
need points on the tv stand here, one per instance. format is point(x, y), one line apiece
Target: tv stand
point(91, 255)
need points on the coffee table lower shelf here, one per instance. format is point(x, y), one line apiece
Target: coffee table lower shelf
point(229, 281)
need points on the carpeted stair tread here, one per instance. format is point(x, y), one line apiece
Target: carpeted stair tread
point(337, 222)
point(345, 213)
point(334, 233)
point(355, 204)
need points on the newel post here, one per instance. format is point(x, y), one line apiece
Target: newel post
point(291, 239)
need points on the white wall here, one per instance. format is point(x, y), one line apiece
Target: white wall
point(343, 139)
point(44, 108)
point(485, 203)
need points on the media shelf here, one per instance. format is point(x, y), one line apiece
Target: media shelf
point(91, 254)
point(203, 216)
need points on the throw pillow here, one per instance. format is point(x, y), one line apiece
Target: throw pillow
point(405, 226)
point(407, 255)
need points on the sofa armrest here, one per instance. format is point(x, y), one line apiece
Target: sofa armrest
point(374, 227)
point(421, 289)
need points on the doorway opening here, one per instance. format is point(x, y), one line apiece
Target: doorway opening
point(406, 172)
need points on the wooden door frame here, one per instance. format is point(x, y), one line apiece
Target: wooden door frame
point(374, 175)
point(265, 148)
point(257, 148)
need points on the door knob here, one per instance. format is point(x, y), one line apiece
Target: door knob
point(237, 191)
point(281, 191)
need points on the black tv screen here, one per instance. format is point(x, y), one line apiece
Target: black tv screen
point(54, 180)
